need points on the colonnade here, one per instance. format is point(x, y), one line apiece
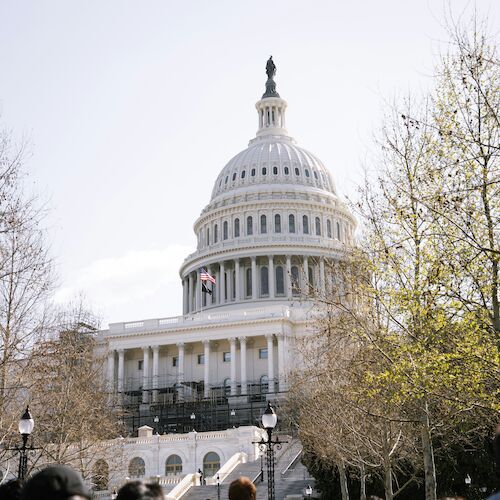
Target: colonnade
point(238, 371)
point(239, 280)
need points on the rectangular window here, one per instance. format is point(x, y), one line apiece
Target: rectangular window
point(226, 357)
point(175, 361)
point(201, 359)
point(140, 364)
point(263, 353)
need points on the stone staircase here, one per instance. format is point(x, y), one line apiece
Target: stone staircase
point(291, 477)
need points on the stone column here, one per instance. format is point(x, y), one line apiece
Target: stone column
point(288, 276)
point(229, 285)
point(271, 276)
point(185, 291)
point(270, 361)
point(232, 342)
point(145, 375)
point(281, 362)
point(217, 287)
point(121, 370)
point(206, 378)
point(237, 283)
point(111, 370)
point(156, 363)
point(254, 278)
point(305, 287)
point(222, 298)
point(197, 290)
point(322, 274)
point(190, 293)
point(243, 361)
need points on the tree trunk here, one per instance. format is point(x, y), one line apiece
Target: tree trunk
point(343, 481)
point(362, 479)
point(429, 467)
point(389, 493)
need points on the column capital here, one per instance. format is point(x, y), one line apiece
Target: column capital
point(269, 336)
point(206, 342)
point(280, 335)
point(120, 351)
point(145, 348)
point(253, 258)
point(232, 340)
point(242, 340)
point(180, 344)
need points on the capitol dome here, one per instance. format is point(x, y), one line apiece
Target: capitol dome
point(273, 222)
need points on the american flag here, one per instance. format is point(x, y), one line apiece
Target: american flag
point(205, 276)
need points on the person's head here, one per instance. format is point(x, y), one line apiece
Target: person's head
point(57, 482)
point(242, 489)
point(139, 490)
point(11, 490)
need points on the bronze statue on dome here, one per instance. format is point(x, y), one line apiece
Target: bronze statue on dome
point(270, 68)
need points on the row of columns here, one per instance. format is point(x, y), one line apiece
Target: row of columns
point(192, 298)
point(152, 384)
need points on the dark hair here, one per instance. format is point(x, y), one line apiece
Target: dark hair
point(242, 489)
point(139, 490)
point(11, 490)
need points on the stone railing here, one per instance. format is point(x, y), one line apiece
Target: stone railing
point(202, 317)
point(228, 467)
point(183, 487)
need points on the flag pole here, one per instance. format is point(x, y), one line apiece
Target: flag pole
point(201, 293)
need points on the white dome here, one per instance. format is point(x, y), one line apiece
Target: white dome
point(273, 159)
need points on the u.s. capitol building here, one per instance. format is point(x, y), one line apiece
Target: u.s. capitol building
point(273, 224)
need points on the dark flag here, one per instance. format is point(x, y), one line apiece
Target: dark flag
point(204, 289)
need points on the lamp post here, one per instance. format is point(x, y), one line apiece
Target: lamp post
point(26, 425)
point(193, 418)
point(309, 491)
point(269, 421)
point(218, 487)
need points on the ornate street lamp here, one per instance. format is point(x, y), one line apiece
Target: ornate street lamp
point(309, 491)
point(193, 418)
point(269, 421)
point(25, 426)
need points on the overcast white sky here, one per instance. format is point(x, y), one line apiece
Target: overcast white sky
point(133, 108)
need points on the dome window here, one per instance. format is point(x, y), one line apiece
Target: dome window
point(264, 170)
point(294, 272)
point(315, 174)
point(280, 281)
point(307, 172)
point(263, 224)
point(287, 171)
point(234, 176)
point(277, 223)
point(248, 283)
point(252, 173)
point(275, 170)
point(225, 230)
point(216, 233)
point(236, 228)
point(318, 226)
point(249, 225)
point(264, 282)
point(305, 224)
point(329, 228)
point(338, 231)
point(291, 223)
point(297, 171)
point(243, 173)
point(227, 178)
point(220, 183)
point(208, 236)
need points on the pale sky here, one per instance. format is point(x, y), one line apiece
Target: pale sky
point(134, 107)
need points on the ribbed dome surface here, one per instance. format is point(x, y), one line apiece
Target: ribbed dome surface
point(273, 160)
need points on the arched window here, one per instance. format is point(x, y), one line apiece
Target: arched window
point(307, 172)
point(280, 281)
point(225, 230)
point(263, 224)
point(248, 283)
point(208, 236)
point(317, 223)
point(277, 223)
point(264, 384)
point(291, 223)
point(234, 176)
point(315, 174)
point(100, 475)
point(211, 464)
point(264, 281)
point(264, 170)
point(236, 228)
point(227, 178)
point(173, 465)
point(275, 170)
point(305, 224)
point(243, 173)
point(252, 173)
point(329, 228)
point(338, 231)
point(216, 233)
point(137, 467)
point(287, 170)
point(297, 172)
point(294, 271)
point(249, 225)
